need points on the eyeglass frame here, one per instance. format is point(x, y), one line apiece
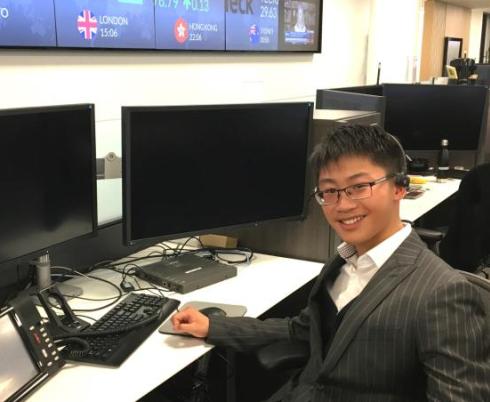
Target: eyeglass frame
point(319, 199)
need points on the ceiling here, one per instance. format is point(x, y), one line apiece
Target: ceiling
point(470, 3)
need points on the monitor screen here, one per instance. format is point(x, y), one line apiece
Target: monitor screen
point(27, 23)
point(191, 169)
point(483, 71)
point(204, 25)
point(105, 24)
point(256, 29)
point(300, 25)
point(47, 171)
point(422, 115)
point(20, 368)
point(196, 25)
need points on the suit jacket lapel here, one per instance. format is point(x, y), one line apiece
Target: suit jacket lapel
point(316, 302)
point(395, 270)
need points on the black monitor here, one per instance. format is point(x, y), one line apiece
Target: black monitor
point(192, 169)
point(483, 71)
point(47, 171)
point(421, 115)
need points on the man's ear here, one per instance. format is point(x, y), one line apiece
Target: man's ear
point(400, 192)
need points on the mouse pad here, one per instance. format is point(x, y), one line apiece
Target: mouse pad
point(232, 310)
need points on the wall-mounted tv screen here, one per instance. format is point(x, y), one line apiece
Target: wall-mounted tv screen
point(254, 27)
point(190, 24)
point(105, 24)
point(27, 23)
point(211, 25)
point(300, 25)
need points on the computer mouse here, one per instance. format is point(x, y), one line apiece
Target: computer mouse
point(209, 311)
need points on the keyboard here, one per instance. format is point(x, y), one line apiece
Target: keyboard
point(113, 349)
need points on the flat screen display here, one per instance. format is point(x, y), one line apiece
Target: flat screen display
point(252, 25)
point(202, 25)
point(190, 24)
point(422, 115)
point(105, 24)
point(27, 23)
point(191, 169)
point(16, 365)
point(300, 25)
point(47, 171)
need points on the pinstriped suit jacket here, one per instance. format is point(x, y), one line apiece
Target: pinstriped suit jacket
point(417, 332)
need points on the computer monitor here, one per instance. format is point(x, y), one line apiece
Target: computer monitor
point(47, 172)
point(189, 170)
point(483, 71)
point(422, 115)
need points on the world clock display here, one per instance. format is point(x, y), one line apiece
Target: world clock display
point(174, 25)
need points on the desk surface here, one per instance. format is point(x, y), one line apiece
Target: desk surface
point(435, 193)
point(259, 286)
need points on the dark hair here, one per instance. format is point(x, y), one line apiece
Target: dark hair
point(355, 140)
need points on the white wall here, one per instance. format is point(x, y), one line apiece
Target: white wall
point(395, 40)
point(475, 32)
point(112, 79)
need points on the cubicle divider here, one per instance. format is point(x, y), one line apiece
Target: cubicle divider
point(354, 98)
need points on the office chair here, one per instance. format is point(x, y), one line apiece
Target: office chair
point(466, 245)
point(294, 355)
point(464, 67)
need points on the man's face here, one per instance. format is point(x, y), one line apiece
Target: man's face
point(367, 222)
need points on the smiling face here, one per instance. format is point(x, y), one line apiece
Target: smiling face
point(363, 223)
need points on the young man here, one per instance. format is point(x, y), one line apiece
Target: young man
point(386, 320)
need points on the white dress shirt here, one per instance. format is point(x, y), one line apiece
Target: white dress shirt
point(358, 270)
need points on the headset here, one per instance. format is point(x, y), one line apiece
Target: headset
point(401, 178)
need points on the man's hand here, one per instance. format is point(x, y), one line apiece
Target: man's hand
point(192, 322)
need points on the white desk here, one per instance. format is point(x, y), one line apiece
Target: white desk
point(259, 286)
point(435, 193)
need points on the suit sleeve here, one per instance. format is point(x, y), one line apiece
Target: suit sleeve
point(453, 345)
point(245, 334)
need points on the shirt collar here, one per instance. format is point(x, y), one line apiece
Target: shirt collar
point(378, 254)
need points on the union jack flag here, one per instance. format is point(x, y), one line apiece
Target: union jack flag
point(87, 24)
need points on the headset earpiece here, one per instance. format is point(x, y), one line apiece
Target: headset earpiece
point(401, 178)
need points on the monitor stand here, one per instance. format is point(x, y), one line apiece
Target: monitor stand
point(43, 274)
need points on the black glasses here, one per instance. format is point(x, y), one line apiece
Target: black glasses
point(359, 191)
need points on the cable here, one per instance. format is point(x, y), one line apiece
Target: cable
point(71, 340)
point(116, 298)
point(86, 317)
point(121, 262)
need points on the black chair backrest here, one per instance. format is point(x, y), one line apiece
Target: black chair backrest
point(464, 67)
point(467, 243)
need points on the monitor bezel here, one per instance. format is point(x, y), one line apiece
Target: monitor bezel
point(477, 149)
point(126, 112)
point(60, 108)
